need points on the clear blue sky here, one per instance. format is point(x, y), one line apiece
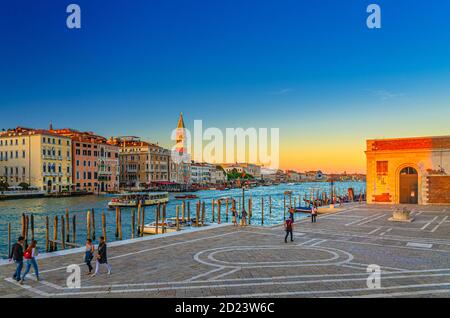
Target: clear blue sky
point(303, 66)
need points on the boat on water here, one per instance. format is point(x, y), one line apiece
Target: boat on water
point(169, 226)
point(186, 196)
point(132, 199)
point(303, 209)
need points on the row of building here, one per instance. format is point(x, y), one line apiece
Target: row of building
point(59, 160)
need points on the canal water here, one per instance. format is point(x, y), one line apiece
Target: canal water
point(11, 211)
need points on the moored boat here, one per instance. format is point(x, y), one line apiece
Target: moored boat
point(133, 199)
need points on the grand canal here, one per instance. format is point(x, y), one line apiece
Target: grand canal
point(11, 211)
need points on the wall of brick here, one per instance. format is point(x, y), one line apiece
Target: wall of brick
point(438, 190)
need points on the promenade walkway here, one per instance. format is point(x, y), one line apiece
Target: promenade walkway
point(327, 259)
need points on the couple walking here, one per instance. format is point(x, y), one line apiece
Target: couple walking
point(18, 255)
point(101, 257)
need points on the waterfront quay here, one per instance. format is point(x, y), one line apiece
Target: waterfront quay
point(327, 259)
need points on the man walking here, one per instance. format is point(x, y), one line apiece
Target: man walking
point(288, 225)
point(102, 258)
point(17, 256)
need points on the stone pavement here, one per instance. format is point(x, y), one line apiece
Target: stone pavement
point(327, 259)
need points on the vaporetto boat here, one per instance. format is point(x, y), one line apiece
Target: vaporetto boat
point(132, 199)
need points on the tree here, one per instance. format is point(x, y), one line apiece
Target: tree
point(4, 185)
point(24, 185)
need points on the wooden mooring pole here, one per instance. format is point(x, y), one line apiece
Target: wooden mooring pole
point(262, 210)
point(197, 215)
point(88, 225)
point(178, 217)
point(143, 221)
point(139, 220)
point(74, 228)
point(55, 233)
point(183, 211)
point(117, 223)
point(219, 205)
point(163, 230)
point(120, 225)
point(270, 205)
point(213, 211)
point(67, 238)
point(32, 226)
point(27, 220)
point(189, 212)
point(47, 236)
point(9, 239)
point(226, 213)
point(104, 225)
point(203, 213)
point(93, 223)
point(63, 234)
point(133, 225)
point(158, 209)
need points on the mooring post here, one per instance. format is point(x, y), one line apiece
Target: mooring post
point(219, 206)
point(55, 233)
point(177, 217)
point(133, 211)
point(88, 225)
point(104, 224)
point(197, 216)
point(32, 226)
point(117, 223)
point(157, 219)
point(213, 211)
point(164, 219)
point(284, 206)
point(203, 213)
point(23, 225)
point(93, 223)
point(9, 239)
point(143, 221)
point(67, 226)
point(183, 211)
point(139, 220)
point(262, 210)
point(120, 224)
point(189, 213)
point(27, 220)
point(74, 228)
point(63, 234)
point(270, 205)
point(226, 213)
point(47, 236)
point(249, 210)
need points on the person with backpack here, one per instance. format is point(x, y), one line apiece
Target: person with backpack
point(89, 254)
point(289, 226)
point(30, 256)
point(102, 258)
point(314, 214)
point(17, 256)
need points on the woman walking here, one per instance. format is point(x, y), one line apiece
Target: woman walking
point(30, 257)
point(89, 254)
point(314, 214)
point(102, 258)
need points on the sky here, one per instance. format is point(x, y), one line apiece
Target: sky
point(310, 68)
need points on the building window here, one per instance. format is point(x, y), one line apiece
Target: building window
point(382, 168)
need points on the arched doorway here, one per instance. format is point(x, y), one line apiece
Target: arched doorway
point(49, 186)
point(409, 185)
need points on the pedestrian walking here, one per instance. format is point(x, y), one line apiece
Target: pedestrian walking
point(102, 258)
point(30, 257)
point(89, 254)
point(314, 214)
point(244, 218)
point(234, 217)
point(289, 226)
point(17, 256)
